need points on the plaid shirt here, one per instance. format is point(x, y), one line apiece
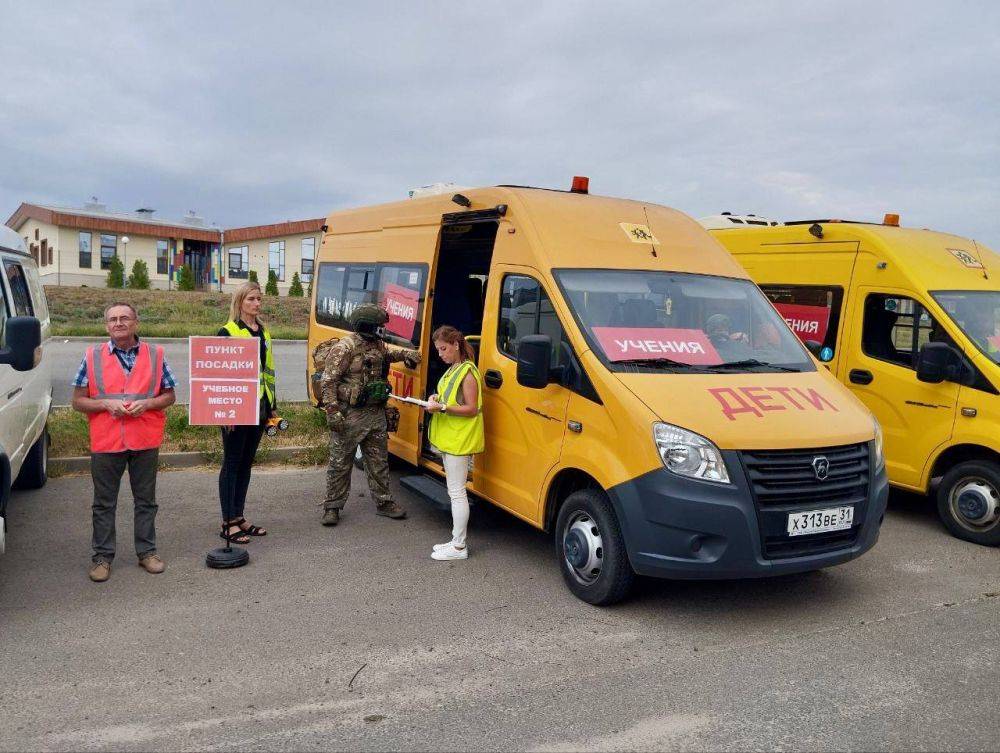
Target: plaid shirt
point(127, 359)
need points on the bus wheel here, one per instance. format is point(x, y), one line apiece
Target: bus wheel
point(591, 550)
point(968, 502)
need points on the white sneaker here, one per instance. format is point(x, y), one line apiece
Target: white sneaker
point(445, 545)
point(450, 552)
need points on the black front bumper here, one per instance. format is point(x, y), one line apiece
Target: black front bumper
point(675, 527)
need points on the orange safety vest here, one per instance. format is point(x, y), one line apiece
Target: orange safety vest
point(107, 379)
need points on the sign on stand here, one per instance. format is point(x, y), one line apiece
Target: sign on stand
point(225, 381)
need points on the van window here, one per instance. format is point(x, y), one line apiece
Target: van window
point(638, 320)
point(3, 318)
point(398, 288)
point(813, 312)
point(526, 309)
point(895, 327)
point(20, 297)
point(330, 295)
point(400, 292)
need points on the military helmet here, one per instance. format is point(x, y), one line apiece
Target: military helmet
point(369, 320)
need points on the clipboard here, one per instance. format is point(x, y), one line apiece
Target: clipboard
point(413, 400)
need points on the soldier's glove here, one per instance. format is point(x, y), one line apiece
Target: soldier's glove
point(334, 418)
point(411, 359)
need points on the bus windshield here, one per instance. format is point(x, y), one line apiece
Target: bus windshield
point(674, 322)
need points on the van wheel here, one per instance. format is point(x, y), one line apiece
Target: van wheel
point(968, 501)
point(35, 470)
point(591, 550)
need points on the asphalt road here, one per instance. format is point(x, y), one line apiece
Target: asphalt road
point(65, 356)
point(353, 638)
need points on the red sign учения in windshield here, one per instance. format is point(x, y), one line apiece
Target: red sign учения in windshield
point(690, 346)
point(225, 381)
point(808, 322)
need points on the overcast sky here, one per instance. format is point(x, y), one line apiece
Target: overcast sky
point(258, 112)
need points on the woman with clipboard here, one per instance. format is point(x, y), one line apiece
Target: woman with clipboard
point(456, 430)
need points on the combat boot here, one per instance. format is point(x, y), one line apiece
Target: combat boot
point(331, 517)
point(390, 510)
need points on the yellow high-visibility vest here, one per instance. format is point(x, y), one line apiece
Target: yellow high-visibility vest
point(458, 435)
point(267, 368)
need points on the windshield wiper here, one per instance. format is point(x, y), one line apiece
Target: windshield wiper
point(657, 363)
point(748, 362)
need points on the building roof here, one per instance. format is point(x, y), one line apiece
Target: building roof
point(130, 222)
point(292, 227)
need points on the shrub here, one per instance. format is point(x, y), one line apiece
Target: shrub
point(185, 278)
point(139, 279)
point(116, 273)
point(272, 283)
point(253, 276)
point(295, 289)
point(309, 292)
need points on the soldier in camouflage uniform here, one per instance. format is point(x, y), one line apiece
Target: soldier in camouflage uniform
point(355, 391)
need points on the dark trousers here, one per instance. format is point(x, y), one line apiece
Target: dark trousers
point(239, 445)
point(107, 468)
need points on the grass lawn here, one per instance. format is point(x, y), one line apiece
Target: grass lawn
point(307, 428)
point(168, 313)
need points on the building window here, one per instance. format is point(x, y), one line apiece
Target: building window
point(43, 253)
point(276, 259)
point(239, 262)
point(162, 257)
point(85, 250)
point(109, 249)
point(308, 255)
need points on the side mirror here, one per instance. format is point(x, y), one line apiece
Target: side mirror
point(24, 339)
point(534, 354)
point(938, 362)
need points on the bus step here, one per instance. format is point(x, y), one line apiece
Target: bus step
point(430, 488)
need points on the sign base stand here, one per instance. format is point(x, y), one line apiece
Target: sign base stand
point(226, 557)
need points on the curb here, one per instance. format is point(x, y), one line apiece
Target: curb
point(96, 338)
point(171, 459)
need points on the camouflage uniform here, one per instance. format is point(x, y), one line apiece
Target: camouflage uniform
point(352, 363)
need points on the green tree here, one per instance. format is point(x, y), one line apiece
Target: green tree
point(253, 276)
point(309, 292)
point(272, 283)
point(295, 289)
point(139, 279)
point(185, 279)
point(116, 273)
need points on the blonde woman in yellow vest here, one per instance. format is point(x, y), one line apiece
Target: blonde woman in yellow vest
point(239, 443)
point(456, 430)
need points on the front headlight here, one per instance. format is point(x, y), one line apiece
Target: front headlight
point(688, 454)
point(879, 452)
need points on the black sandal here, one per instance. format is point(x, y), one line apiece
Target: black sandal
point(249, 530)
point(237, 537)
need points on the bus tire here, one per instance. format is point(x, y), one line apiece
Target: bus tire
point(591, 550)
point(35, 469)
point(968, 502)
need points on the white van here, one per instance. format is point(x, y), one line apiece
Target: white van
point(25, 383)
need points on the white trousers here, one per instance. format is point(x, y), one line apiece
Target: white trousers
point(456, 471)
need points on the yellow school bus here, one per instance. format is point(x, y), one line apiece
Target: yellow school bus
point(643, 400)
point(909, 320)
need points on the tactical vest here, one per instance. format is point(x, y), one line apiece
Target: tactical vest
point(267, 368)
point(458, 435)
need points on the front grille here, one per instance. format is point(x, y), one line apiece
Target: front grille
point(784, 481)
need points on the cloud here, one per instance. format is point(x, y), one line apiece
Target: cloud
point(255, 112)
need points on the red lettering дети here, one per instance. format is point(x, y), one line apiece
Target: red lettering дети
point(761, 400)
point(742, 406)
